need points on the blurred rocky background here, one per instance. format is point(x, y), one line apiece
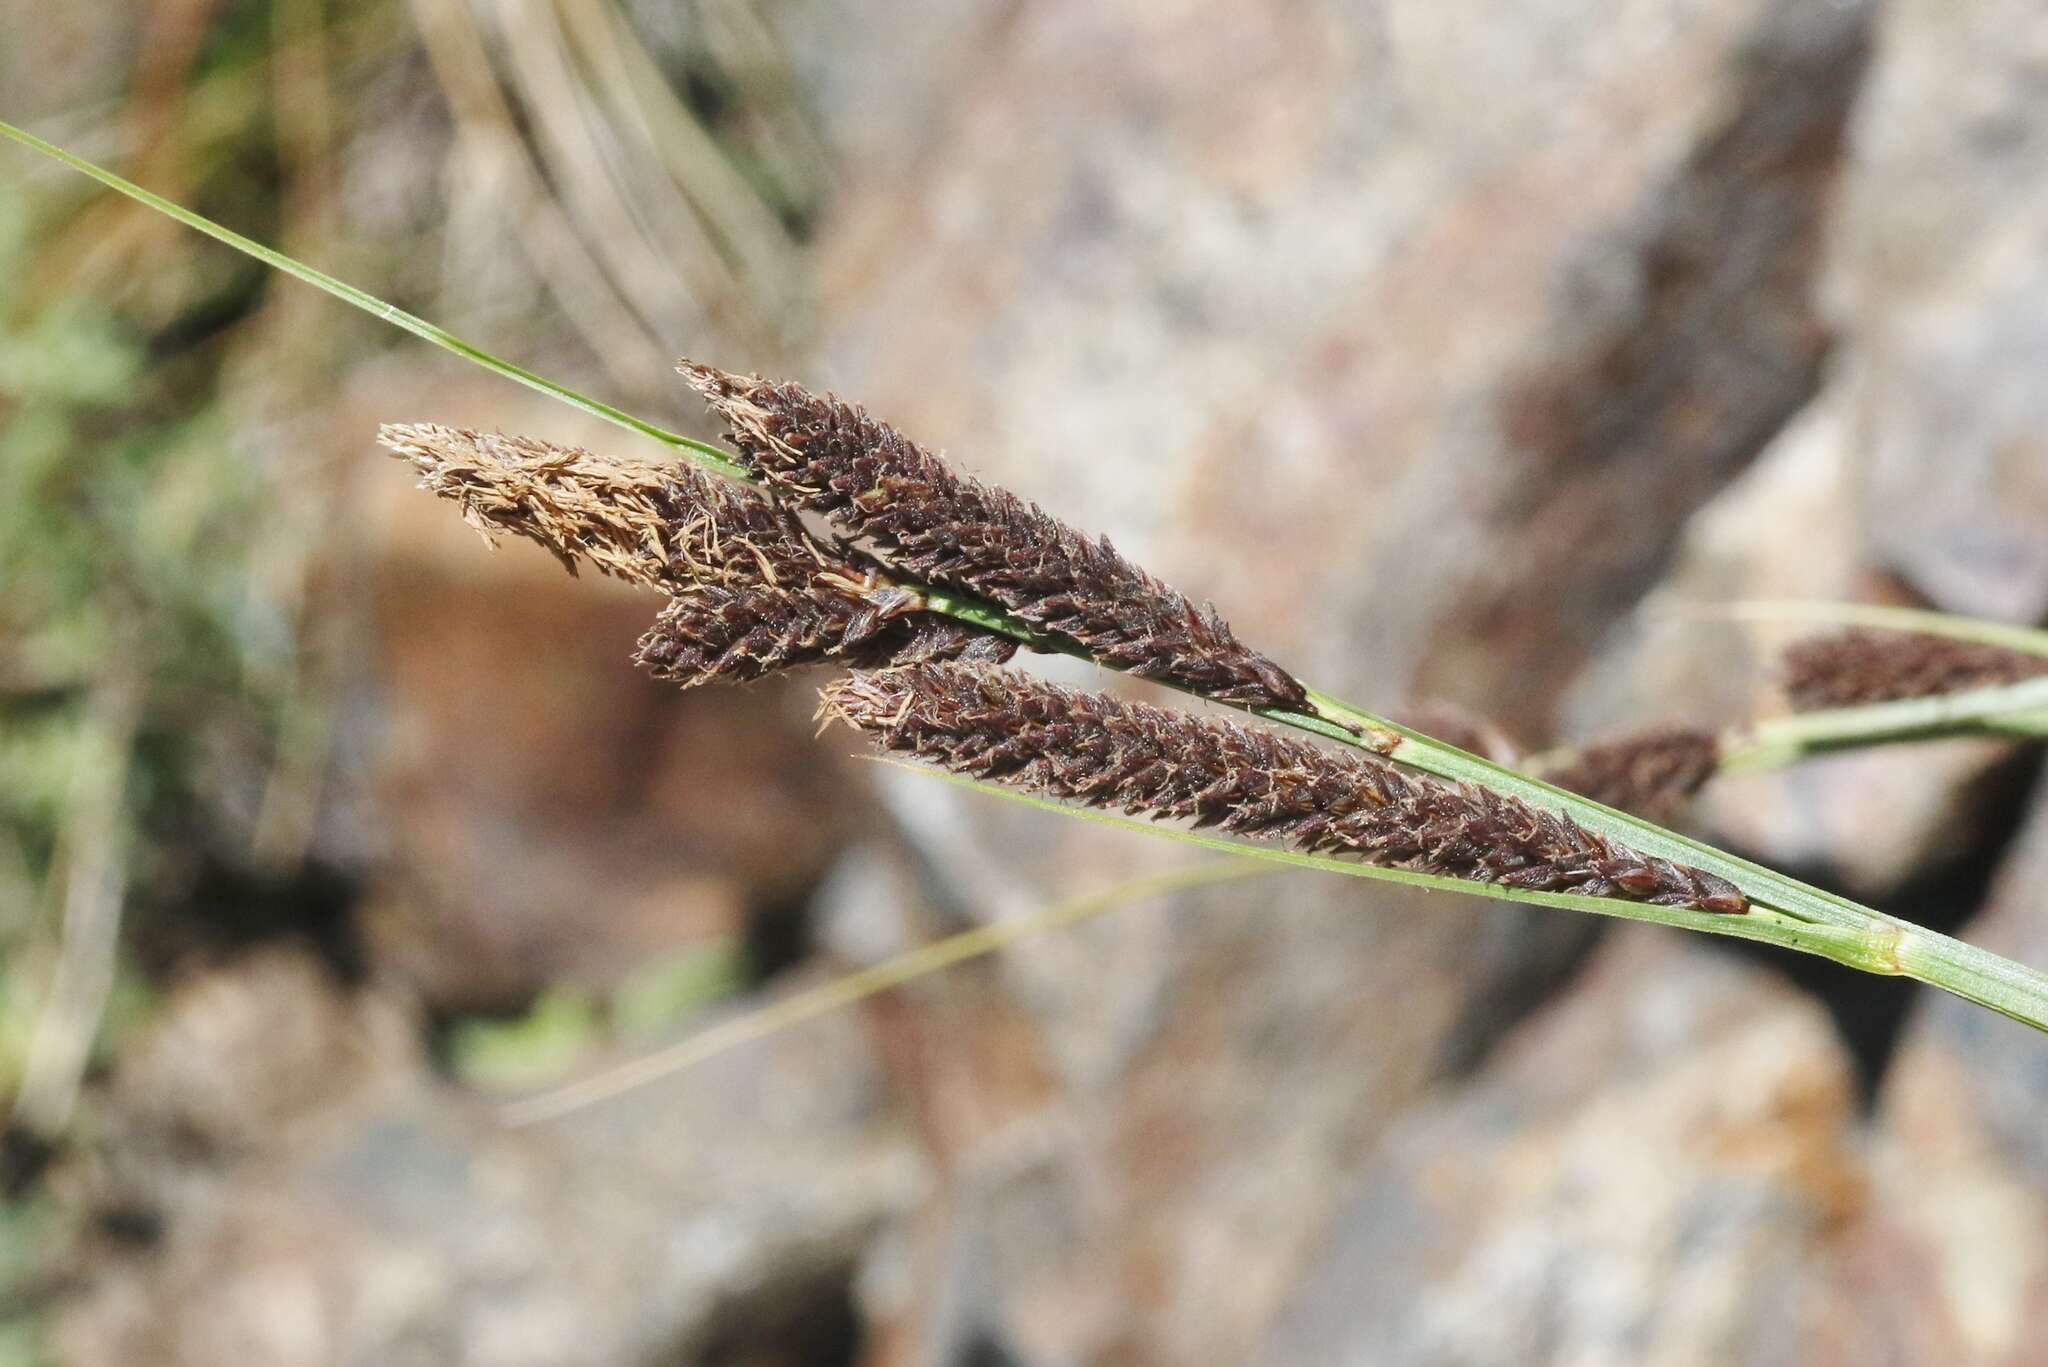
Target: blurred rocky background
point(1458, 350)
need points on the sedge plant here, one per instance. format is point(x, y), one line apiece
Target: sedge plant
point(928, 580)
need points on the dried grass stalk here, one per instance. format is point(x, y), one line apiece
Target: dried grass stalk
point(942, 528)
point(1144, 760)
point(668, 527)
point(1850, 668)
point(752, 590)
point(1652, 773)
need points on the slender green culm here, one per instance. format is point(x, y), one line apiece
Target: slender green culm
point(2015, 709)
point(1879, 616)
point(702, 452)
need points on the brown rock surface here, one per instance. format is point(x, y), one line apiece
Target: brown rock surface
point(1943, 253)
point(1652, 1171)
point(354, 1210)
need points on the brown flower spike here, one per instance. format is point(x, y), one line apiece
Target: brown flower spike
point(1143, 760)
point(1650, 773)
point(1850, 668)
point(942, 528)
point(752, 590)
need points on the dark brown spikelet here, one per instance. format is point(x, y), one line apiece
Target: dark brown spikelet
point(752, 590)
point(1143, 760)
point(1850, 668)
point(938, 526)
point(1651, 773)
point(742, 634)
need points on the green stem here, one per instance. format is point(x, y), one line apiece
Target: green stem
point(2011, 711)
point(986, 615)
point(2007, 710)
point(1975, 975)
point(701, 452)
point(2025, 639)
